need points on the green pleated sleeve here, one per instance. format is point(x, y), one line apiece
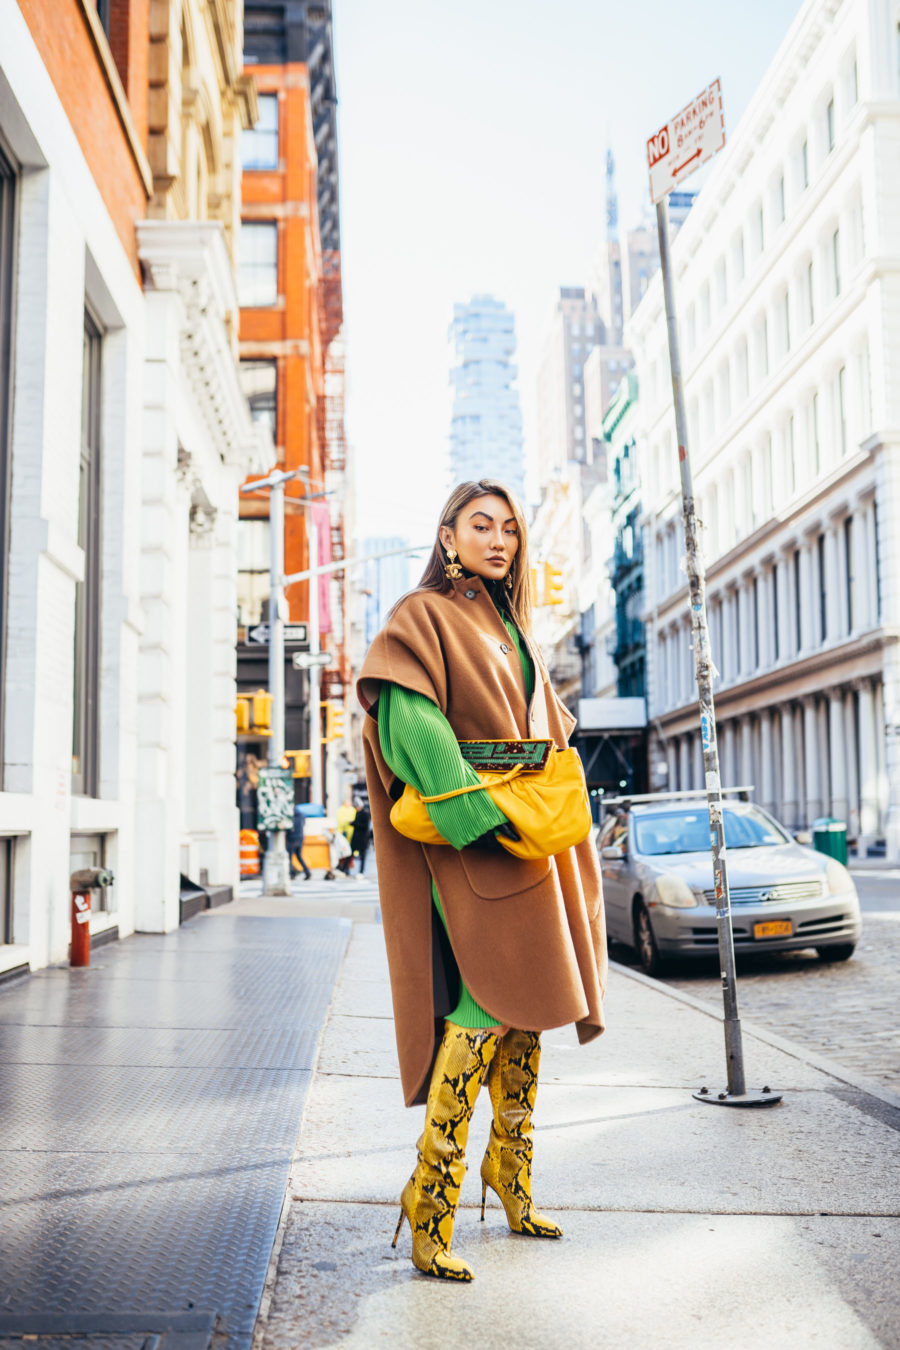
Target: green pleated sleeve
point(419, 746)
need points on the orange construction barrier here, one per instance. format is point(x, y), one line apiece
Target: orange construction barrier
point(249, 853)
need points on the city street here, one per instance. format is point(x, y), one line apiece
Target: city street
point(846, 1011)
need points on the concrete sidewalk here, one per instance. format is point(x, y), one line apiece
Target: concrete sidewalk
point(777, 1227)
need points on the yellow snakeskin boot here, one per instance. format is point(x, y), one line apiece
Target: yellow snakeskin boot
point(430, 1197)
point(506, 1166)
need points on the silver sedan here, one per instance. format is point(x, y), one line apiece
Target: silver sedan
point(658, 885)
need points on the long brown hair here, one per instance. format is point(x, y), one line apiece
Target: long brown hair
point(519, 598)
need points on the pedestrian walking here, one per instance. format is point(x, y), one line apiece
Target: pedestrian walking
point(338, 853)
point(362, 833)
point(485, 948)
point(295, 843)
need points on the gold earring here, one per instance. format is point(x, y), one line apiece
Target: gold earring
point(507, 581)
point(452, 571)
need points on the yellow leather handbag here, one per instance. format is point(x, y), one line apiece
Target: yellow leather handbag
point(548, 807)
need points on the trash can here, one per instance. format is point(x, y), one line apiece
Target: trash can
point(830, 836)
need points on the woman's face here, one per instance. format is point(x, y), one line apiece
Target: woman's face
point(485, 537)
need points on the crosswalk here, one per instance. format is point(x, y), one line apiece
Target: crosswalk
point(352, 897)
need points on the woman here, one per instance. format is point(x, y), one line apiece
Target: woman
point(485, 950)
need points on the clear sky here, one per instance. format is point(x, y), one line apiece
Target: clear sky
point(473, 138)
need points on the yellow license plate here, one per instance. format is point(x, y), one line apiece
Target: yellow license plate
point(773, 928)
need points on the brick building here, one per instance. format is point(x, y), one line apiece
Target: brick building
point(291, 340)
point(123, 438)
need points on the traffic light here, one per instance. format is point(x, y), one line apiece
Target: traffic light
point(334, 721)
point(553, 585)
point(262, 712)
point(242, 713)
point(299, 762)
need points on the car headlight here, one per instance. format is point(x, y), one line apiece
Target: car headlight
point(837, 879)
point(675, 892)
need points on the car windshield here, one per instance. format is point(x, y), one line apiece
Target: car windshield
point(687, 831)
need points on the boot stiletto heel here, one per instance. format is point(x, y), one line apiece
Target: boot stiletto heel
point(506, 1166)
point(431, 1195)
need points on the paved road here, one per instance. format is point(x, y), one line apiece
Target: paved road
point(847, 1011)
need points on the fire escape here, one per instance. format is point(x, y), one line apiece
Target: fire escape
point(332, 438)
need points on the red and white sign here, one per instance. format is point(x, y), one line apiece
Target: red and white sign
point(687, 141)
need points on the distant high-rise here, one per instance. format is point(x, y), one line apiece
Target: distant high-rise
point(573, 332)
point(486, 425)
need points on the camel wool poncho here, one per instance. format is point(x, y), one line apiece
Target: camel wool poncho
point(528, 937)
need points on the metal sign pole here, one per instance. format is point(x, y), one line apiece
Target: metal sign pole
point(315, 671)
point(737, 1094)
point(276, 866)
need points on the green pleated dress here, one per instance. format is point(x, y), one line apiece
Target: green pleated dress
point(419, 746)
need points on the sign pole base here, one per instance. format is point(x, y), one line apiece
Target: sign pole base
point(276, 866)
point(765, 1098)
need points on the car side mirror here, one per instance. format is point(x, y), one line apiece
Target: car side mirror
point(613, 852)
point(803, 837)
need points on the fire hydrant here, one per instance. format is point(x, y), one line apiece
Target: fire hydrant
point(81, 884)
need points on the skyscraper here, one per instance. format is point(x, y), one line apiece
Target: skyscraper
point(486, 423)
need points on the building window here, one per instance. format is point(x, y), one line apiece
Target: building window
point(876, 532)
point(798, 627)
point(7, 274)
point(814, 437)
point(259, 145)
point(259, 381)
point(836, 262)
point(743, 369)
point(840, 392)
point(762, 343)
point(779, 199)
point(721, 284)
point(829, 126)
point(804, 164)
point(791, 457)
point(258, 265)
point(786, 320)
point(854, 84)
point(848, 570)
point(760, 230)
point(776, 645)
point(7, 863)
point(739, 265)
point(820, 578)
point(85, 722)
point(736, 608)
point(755, 664)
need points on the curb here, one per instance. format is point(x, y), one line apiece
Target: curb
point(799, 1052)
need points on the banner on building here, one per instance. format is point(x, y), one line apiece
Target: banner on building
point(322, 517)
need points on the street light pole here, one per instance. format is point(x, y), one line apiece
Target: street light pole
point(315, 671)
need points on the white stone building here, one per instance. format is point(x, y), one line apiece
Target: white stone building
point(124, 439)
point(788, 292)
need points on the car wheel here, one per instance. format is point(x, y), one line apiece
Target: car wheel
point(645, 942)
point(841, 952)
